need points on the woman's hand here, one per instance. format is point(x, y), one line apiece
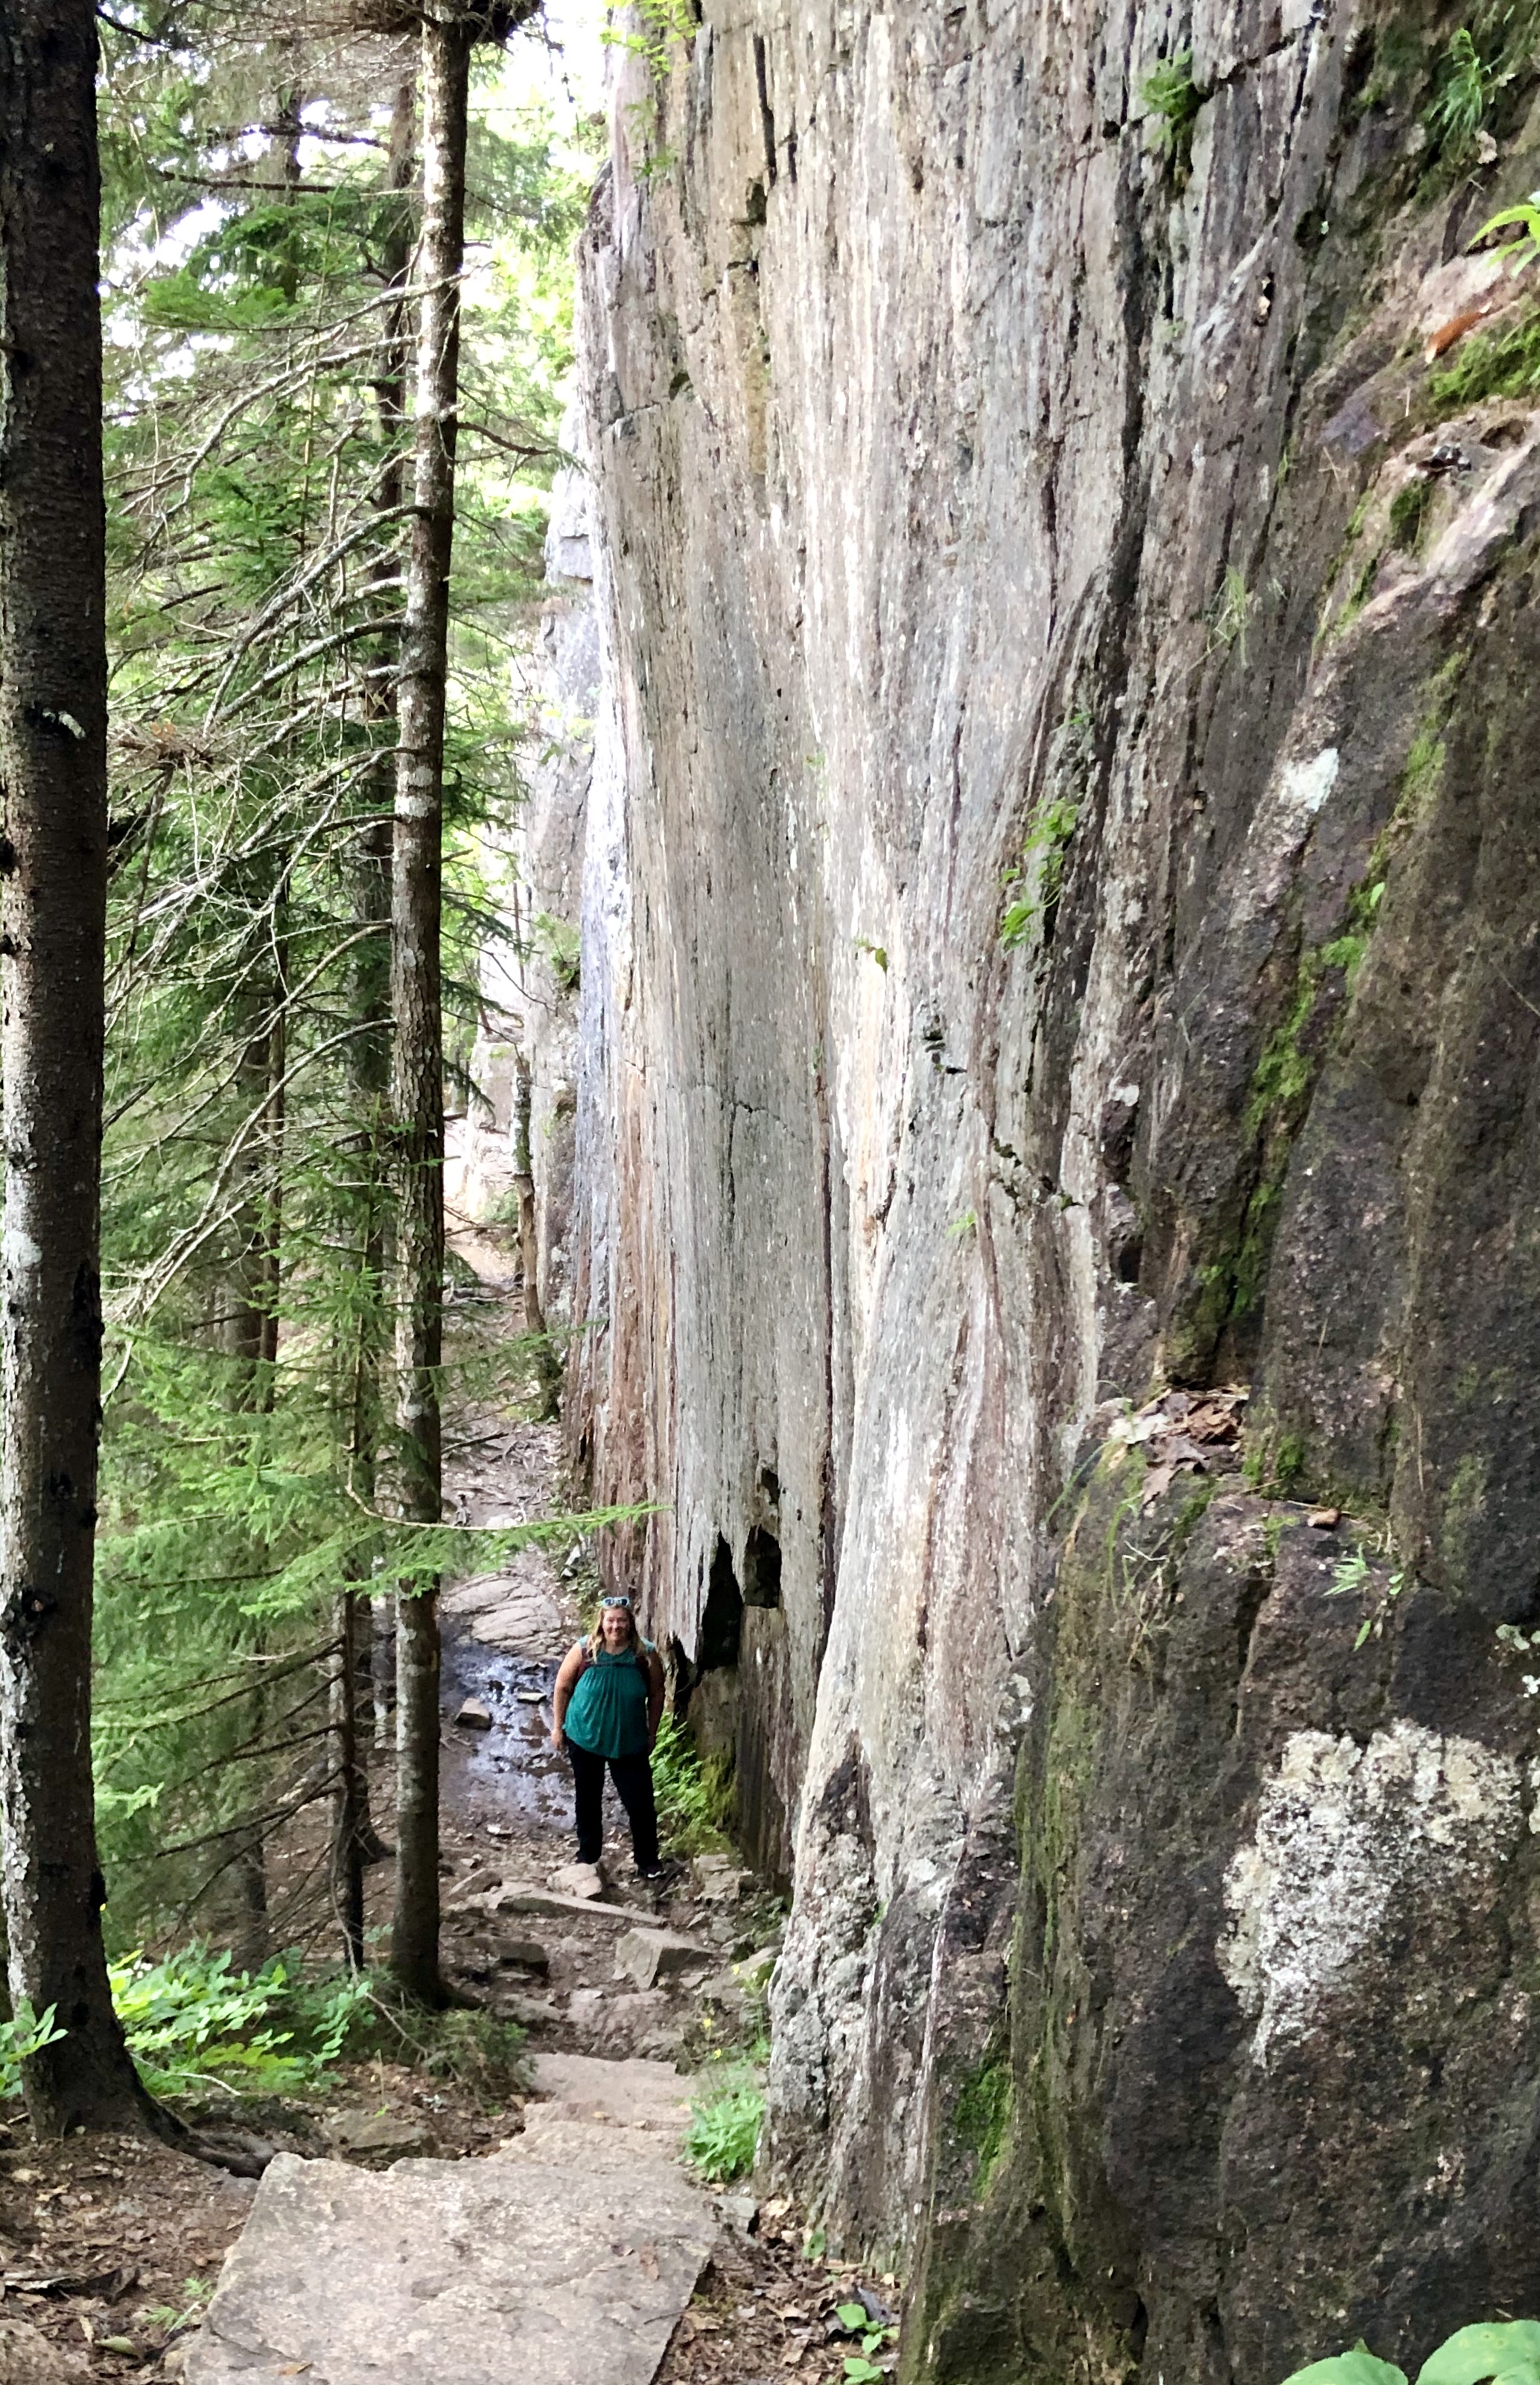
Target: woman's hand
point(558, 1737)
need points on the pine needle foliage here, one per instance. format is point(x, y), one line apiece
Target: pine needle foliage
point(259, 213)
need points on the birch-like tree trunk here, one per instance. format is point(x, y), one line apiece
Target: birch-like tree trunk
point(416, 1060)
point(53, 907)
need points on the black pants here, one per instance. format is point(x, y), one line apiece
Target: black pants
point(633, 1778)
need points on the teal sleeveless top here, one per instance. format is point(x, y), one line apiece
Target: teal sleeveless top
point(606, 1714)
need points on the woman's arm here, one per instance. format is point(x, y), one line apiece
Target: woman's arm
point(655, 1696)
point(567, 1681)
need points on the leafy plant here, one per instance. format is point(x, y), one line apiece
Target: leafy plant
point(1506, 2352)
point(1043, 860)
point(694, 1795)
point(657, 26)
point(23, 2035)
point(1466, 84)
point(724, 2130)
point(171, 2318)
point(561, 947)
point(1522, 251)
point(1173, 100)
point(1499, 363)
point(475, 2050)
point(1351, 1575)
point(193, 2018)
point(862, 2368)
point(1348, 1574)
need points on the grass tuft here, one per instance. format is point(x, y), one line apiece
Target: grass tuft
point(724, 2130)
point(1500, 363)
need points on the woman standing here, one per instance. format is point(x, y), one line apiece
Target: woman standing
point(608, 1702)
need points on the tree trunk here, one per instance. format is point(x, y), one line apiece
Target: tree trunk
point(249, 1321)
point(416, 1071)
point(349, 1785)
point(53, 905)
point(356, 1842)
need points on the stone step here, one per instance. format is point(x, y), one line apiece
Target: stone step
point(631, 2094)
point(517, 1896)
point(483, 2272)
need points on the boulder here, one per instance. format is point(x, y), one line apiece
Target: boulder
point(523, 1955)
point(579, 1879)
point(648, 1955)
point(377, 2139)
point(474, 1715)
point(718, 1881)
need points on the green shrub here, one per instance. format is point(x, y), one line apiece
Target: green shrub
point(1173, 100)
point(1508, 2353)
point(1465, 87)
point(695, 1794)
point(724, 2130)
point(192, 2018)
point(21, 2037)
point(1043, 859)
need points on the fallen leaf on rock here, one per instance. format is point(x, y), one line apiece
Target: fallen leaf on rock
point(1441, 341)
point(1325, 1518)
point(1156, 1482)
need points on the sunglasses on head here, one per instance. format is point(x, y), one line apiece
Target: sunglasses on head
point(620, 1600)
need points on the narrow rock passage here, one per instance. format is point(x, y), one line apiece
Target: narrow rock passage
point(572, 2248)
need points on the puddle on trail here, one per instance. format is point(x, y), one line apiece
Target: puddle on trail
point(509, 1776)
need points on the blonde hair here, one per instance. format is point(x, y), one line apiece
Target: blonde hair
point(597, 1639)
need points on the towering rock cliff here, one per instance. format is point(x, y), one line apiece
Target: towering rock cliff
point(1057, 1120)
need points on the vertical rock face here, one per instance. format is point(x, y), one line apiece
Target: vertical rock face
point(559, 776)
point(1059, 954)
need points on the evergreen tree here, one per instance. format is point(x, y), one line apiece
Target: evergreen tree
point(258, 445)
point(53, 874)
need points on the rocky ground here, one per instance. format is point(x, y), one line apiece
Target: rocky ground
point(110, 2248)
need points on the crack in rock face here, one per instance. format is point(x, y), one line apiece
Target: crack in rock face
point(1351, 1844)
